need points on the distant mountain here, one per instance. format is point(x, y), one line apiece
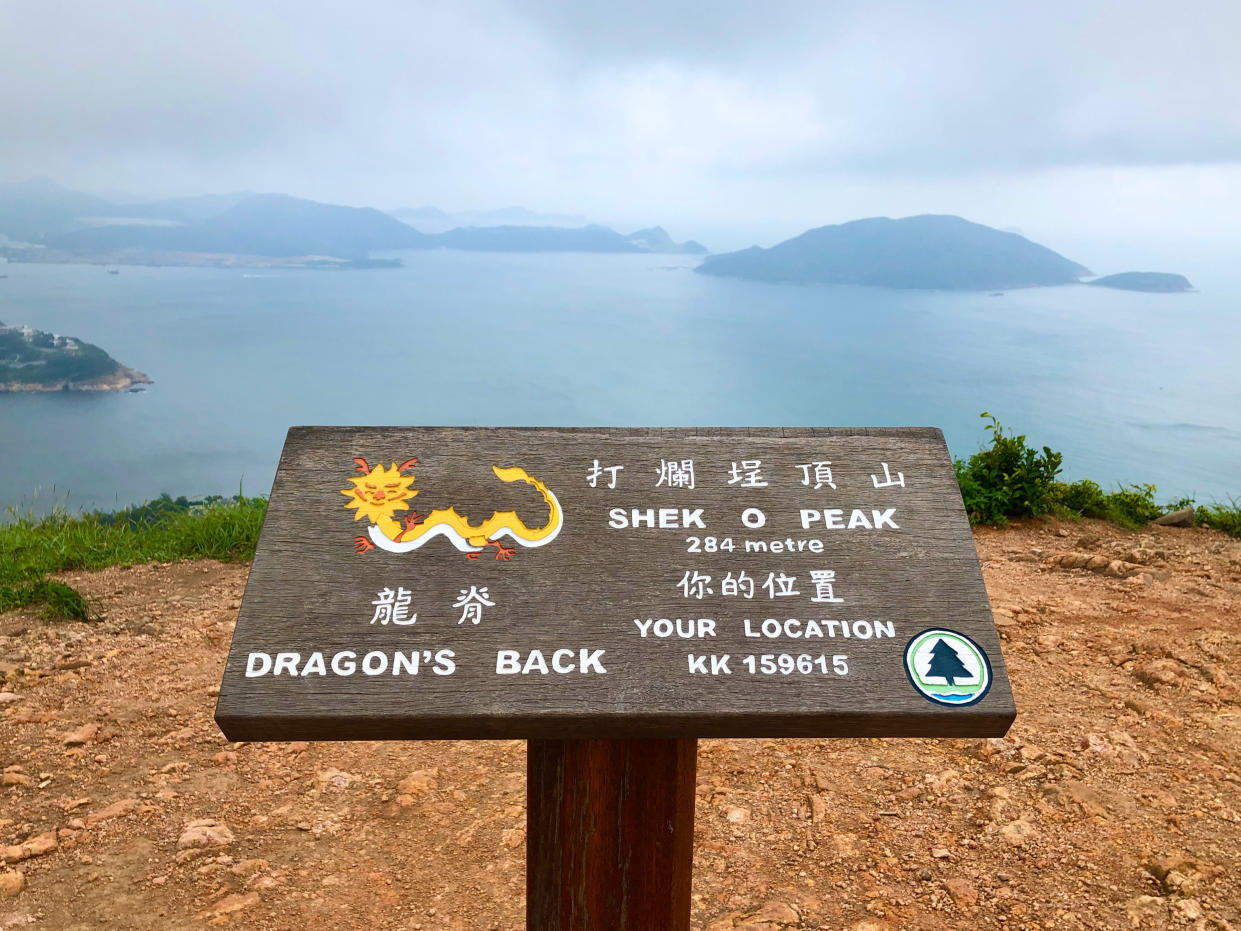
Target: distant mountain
point(557, 239)
point(435, 220)
point(39, 210)
point(203, 206)
point(31, 210)
point(656, 239)
point(414, 214)
point(263, 224)
point(69, 225)
point(928, 251)
point(518, 216)
point(1144, 281)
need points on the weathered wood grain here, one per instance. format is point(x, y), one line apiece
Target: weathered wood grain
point(610, 834)
point(310, 592)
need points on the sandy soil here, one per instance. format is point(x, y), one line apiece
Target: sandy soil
point(1113, 803)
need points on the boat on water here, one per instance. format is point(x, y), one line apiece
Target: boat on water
point(114, 271)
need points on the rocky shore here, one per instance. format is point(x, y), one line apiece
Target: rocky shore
point(122, 379)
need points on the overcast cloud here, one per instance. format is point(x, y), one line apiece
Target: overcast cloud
point(728, 122)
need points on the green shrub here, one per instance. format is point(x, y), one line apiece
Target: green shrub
point(1133, 507)
point(1078, 499)
point(1008, 479)
point(1225, 517)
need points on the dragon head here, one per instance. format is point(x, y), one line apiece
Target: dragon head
point(380, 491)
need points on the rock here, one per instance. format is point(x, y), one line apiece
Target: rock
point(1097, 743)
point(1073, 793)
point(736, 815)
point(1158, 672)
point(14, 779)
point(845, 844)
point(202, 835)
point(6, 697)
point(83, 735)
point(773, 916)
point(115, 810)
point(1189, 909)
point(1018, 833)
point(1177, 871)
point(231, 904)
point(11, 883)
point(418, 782)
point(1182, 518)
point(1094, 562)
point(779, 912)
point(818, 809)
point(333, 780)
point(249, 867)
point(1142, 907)
point(964, 893)
point(941, 853)
point(35, 846)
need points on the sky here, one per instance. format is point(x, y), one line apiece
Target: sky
point(1079, 123)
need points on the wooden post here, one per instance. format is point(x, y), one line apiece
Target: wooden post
point(610, 834)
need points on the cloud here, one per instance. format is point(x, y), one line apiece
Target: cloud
point(618, 109)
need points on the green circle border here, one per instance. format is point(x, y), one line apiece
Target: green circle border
point(956, 633)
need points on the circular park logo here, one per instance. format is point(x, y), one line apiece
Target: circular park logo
point(948, 668)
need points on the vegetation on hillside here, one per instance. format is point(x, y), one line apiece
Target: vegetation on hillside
point(1010, 479)
point(34, 357)
point(166, 529)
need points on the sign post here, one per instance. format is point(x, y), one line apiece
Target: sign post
point(611, 595)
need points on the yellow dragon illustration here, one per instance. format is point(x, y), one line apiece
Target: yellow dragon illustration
point(379, 492)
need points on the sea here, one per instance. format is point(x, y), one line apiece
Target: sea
point(1130, 387)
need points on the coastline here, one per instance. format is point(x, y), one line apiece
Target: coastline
point(122, 379)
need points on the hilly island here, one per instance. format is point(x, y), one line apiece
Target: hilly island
point(33, 360)
point(928, 251)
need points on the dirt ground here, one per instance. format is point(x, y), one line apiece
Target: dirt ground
point(1115, 802)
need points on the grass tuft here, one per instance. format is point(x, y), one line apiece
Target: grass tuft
point(163, 530)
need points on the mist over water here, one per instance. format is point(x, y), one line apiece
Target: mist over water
point(1130, 387)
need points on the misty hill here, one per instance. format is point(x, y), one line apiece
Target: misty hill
point(656, 239)
point(435, 220)
point(1144, 281)
point(414, 214)
point(203, 206)
point(559, 239)
point(38, 210)
point(263, 224)
point(31, 210)
point(928, 251)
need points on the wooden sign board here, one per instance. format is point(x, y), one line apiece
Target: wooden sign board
point(417, 582)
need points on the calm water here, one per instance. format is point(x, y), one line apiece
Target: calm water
point(1131, 387)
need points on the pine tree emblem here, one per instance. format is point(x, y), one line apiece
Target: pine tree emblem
point(947, 668)
point(946, 664)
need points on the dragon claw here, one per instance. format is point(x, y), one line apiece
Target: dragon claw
point(503, 552)
point(413, 519)
point(362, 545)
